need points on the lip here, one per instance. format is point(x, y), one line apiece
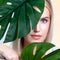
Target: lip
point(36, 37)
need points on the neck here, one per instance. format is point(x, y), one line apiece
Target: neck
point(25, 43)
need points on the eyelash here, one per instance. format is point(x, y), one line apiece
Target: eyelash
point(43, 20)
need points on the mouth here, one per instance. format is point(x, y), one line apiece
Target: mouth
point(36, 37)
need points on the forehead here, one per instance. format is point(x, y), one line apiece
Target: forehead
point(45, 13)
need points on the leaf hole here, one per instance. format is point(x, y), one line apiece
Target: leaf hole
point(0, 27)
point(34, 50)
point(12, 15)
point(37, 9)
point(9, 3)
point(0, 15)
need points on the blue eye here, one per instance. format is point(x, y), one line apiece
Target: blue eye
point(43, 20)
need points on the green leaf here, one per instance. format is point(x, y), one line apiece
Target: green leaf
point(3, 25)
point(55, 55)
point(21, 15)
point(40, 49)
point(3, 1)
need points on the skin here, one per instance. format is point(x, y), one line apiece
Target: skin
point(40, 33)
point(8, 52)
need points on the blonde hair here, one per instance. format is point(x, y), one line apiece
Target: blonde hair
point(50, 32)
point(48, 6)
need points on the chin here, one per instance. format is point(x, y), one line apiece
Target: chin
point(36, 41)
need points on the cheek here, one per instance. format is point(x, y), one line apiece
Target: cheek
point(44, 28)
point(27, 38)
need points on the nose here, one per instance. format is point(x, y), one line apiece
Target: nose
point(37, 28)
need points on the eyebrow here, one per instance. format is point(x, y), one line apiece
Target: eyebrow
point(46, 17)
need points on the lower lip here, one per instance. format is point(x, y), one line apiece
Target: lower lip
point(36, 37)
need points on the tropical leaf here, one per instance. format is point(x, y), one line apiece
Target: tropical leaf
point(55, 55)
point(36, 51)
point(3, 1)
point(21, 16)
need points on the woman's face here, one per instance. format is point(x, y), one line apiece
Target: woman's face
point(39, 34)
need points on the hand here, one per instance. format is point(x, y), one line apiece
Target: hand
point(8, 52)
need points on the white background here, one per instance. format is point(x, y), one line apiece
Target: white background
point(56, 34)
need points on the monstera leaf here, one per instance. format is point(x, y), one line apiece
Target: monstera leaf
point(3, 1)
point(37, 51)
point(18, 17)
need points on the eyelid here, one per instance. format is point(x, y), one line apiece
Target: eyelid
point(44, 20)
